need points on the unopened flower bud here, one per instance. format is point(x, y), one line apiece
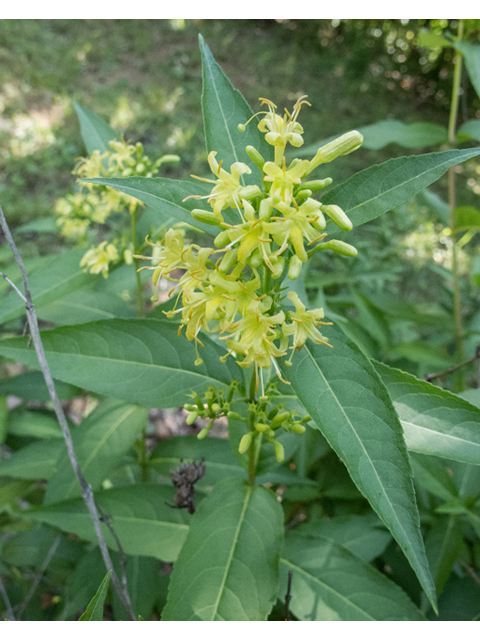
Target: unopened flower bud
point(342, 248)
point(298, 428)
point(304, 193)
point(228, 260)
point(256, 259)
point(294, 267)
point(249, 192)
point(253, 154)
point(263, 428)
point(222, 239)
point(339, 147)
point(207, 217)
point(245, 443)
point(191, 417)
point(203, 433)
point(338, 216)
point(316, 185)
point(279, 451)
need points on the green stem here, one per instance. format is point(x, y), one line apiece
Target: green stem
point(457, 305)
point(252, 451)
point(136, 264)
point(143, 457)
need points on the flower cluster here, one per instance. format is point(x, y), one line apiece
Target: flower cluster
point(234, 288)
point(94, 204)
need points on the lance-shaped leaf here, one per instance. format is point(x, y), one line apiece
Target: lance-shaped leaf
point(380, 188)
point(444, 544)
point(164, 195)
point(96, 133)
point(35, 461)
point(142, 361)
point(224, 108)
point(228, 566)
point(348, 402)
point(435, 422)
point(364, 536)
point(330, 583)
point(94, 611)
point(59, 278)
point(143, 520)
point(100, 442)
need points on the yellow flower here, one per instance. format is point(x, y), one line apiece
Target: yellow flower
point(254, 335)
point(97, 259)
point(227, 192)
point(282, 130)
point(304, 324)
point(305, 221)
point(283, 180)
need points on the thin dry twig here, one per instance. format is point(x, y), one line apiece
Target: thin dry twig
point(433, 376)
point(38, 576)
point(87, 493)
point(7, 602)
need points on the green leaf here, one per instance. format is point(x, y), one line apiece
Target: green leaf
point(418, 134)
point(350, 406)
point(435, 422)
point(466, 219)
point(228, 566)
point(433, 476)
point(61, 277)
point(471, 54)
point(142, 361)
point(94, 610)
point(380, 134)
point(82, 584)
point(96, 133)
point(443, 544)
point(471, 128)
point(143, 521)
point(11, 490)
point(35, 461)
point(100, 443)
point(460, 600)
point(26, 423)
point(143, 584)
point(86, 306)
point(378, 189)
point(330, 583)
point(423, 353)
point(31, 386)
point(164, 195)
point(224, 108)
point(364, 536)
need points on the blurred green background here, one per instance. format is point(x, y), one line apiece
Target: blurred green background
point(144, 78)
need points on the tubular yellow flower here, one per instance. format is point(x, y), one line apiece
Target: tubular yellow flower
point(304, 324)
point(283, 180)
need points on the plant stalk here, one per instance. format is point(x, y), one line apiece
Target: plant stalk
point(457, 304)
point(252, 450)
point(137, 264)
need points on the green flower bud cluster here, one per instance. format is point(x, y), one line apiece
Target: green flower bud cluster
point(214, 405)
point(94, 203)
point(268, 422)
